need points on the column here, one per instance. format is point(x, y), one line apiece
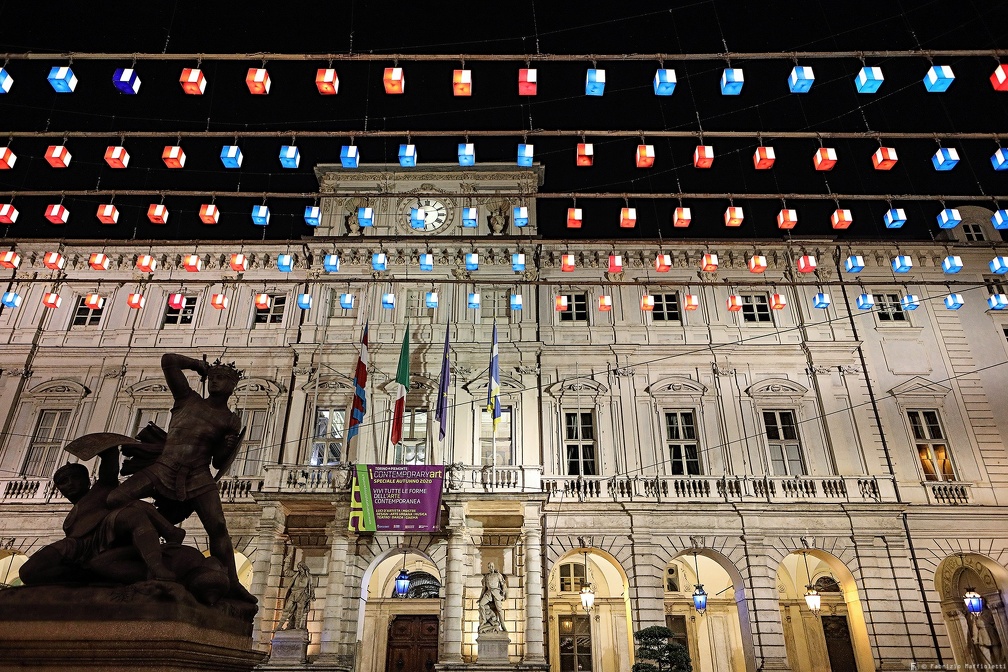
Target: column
point(764, 611)
point(534, 651)
point(333, 611)
point(267, 568)
point(451, 651)
point(647, 582)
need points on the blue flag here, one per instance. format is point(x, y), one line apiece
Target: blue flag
point(441, 412)
point(493, 392)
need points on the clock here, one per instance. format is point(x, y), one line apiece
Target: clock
point(435, 214)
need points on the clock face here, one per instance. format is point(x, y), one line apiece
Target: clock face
point(435, 214)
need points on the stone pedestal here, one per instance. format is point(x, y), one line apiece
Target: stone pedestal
point(492, 647)
point(289, 646)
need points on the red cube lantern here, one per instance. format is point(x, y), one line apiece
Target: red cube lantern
point(567, 263)
point(787, 218)
point(57, 214)
point(262, 301)
point(51, 300)
point(176, 301)
point(663, 262)
point(57, 156)
point(108, 213)
point(628, 218)
point(733, 216)
point(605, 303)
point(462, 82)
point(585, 154)
point(145, 263)
point(574, 218)
point(681, 218)
point(116, 156)
point(193, 82)
point(709, 263)
point(98, 261)
point(645, 156)
point(192, 263)
point(219, 301)
point(647, 303)
point(884, 158)
point(777, 301)
point(157, 213)
point(258, 81)
point(841, 218)
point(615, 263)
point(734, 303)
point(208, 213)
point(560, 303)
point(806, 263)
point(757, 263)
point(395, 80)
point(691, 301)
point(999, 80)
point(135, 301)
point(10, 259)
point(825, 158)
point(8, 213)
point(764, 158)
point(527, 81)
point(239, 263)
point(94, 301)
point(7, 158)
point(327, 81)
point(173, 156)
point(54, 261)
point(703, 156)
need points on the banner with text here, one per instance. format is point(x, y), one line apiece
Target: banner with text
point(395, 497)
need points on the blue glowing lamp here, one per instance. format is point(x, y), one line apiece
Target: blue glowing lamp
point(1000, 220)
point(290, 157)
point(821, 301)
point(349, 156)
point(952, 264)
point(902, 263)
point(427, 262)
point(801, 79)
point(910, 302)
point(365, 216)
point(417, 218)
point(379, 261)
point(949, 218)
point(431, 299)
point(346, 301)
point(520, 215)
point(518, 262)
point(466, 154)
point(388, 302)
point(472, 261)
point(11, 299)
point(998, 265)
point(595, 82)
point(62, 80)
point(304, 301)
point(402, 582)
point(972, 601)
point(732, 80)
point(994, 301)
point(938, 78)
point(664, 82)
point(945, 158)
point(999, 159)
point(6, 81)
point(517, 302)
point(854, 263)
point(285, 263)
point(700, 599)
point(470, 217)
point(312, 215)
point(331, 263)
point(474, 300)
point(869, 79)
point(231, 156)
point(865, 301)
point(525, 153)
point(260, 215)
point(894, 218)
point(407, 156)
point(954, 301)
point(126, 80)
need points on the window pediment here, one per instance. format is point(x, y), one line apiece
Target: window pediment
point(574, 386)
point(776, 388)
point(673, 386)
point(148, 386)
point(332, 381)
point(483, 382)
point(60, 387)
point(258, 386)
point(920, 389)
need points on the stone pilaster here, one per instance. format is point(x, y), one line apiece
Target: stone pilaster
point(266, 571)
point(534, 648)
point(333, 611)
point(648, 582)
point(451, 643)
point(764, 612)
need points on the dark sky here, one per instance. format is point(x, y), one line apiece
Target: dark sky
point(766, 106)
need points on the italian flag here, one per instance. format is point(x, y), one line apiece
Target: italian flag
point(402, 385)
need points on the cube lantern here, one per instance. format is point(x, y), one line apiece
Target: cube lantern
point(418, 217)
point(734, 216)
point(1000, 220)
point(517, 262)
point(527, 81)
point(821, 301)
point(732, 80)
point(312, 215)
point(999, 159)
point(6, 81)
point(116, 156)
point(841, 218)
point(263, 302)
point(854, 263)
point(520, 215)
point(258, 81)
point(869, 79)
point(57, 214)
point(304, 301)
point(98, 261)
point(431, 299)
point(945, 158)
point(219, 301)
point(938, 78)
point(379, 262)
point(331, 263)
point(525, 154)
point(690, 302)
point(999, 78)
point(327, 81)
point(757, 263)
point(7, 157)
point(365, 216)
point(825, 158)
point(462, 82)
point(595, 82)
point(954, 301)
point(902, 263)
point(472, 261)
point(470, 217)
point(894, 218)
point(176, 301)
point(585, 154)
point(173, 156)
point(346, 301)
point(11, 259)
point(998, 265)
point(764, 158)
point(787, 218)
point(865, 301)
point(285, 263)
point(8, 213)
point(135, 300)
point(647, 303)
point(209, 213)
point(778, 301)
point(146, 263)
point(703, 156)
point(884, 158)
point(108, 213)
point(615, 263)
point(427, 262)
point(664, 82)
point(290, 156)
point(663, 263)
point(474, 300)
point(193, 82)
point(734, 303)
point(58, 156)
point(54, 261)
point(126, 80)
point(645, 156)
point(949, 218)
point(192, 263)
point(560, 302)
point(394, 80)
point(231, 156)
point(909, 302)
point(952, 264)
point(709, 262)
point(62, 79)
point(407, 156)
point(801, 79)
point(94, 301)
point(466, 154)
point(260, 215)
point(605, 303)
point(349, 156)
point(239, 263)
point(681, 217)
point(11, 300)
point(994, 301)
point(51, 300)
point(628, 218)
point(517, 302)
point(574, 217)
point(806, 263)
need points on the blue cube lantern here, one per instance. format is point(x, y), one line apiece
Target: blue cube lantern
point(6, 81)
point(945, 158)
point(417, 218)
point(999, 159)
point(520, 216)
point(470, 218)
point(379, 261)
point(518, 262)
point(312, 215)
point(331, 263)
point(910, 302)
point(427, 262)
point(664, 82)
point(304, 301)
point(346, 301)
point(821, 301)
point(126, 80)
point(517, 302)
point(472, 261)
point(998, 265)
point(285, 263)
point(938, 78)
point(595, 82)
point(474, 300)
point(954, 301)
point(949, 218)
point(431, 299)
point(869, 79)
point(11, 299)
point(902, 263)
point(349, 156)
point(466, 154)
point(260, 215)
point(1000, 220)
point(854, 263)
point(894, 218)
point(407, 156)
point(732, 80)
point(801, 79)
point(290, 156)
point(231, 156)
point(525, 153)
point(865, 301)
point(63, 80)
point(388, 300)
point(952, 264)
point(994, 301)
point(365, 216)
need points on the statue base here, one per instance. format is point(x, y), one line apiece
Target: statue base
point(492, 648)
point(154, 624)
point(289, 647)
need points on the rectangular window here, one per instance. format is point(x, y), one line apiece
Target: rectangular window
point(416, 304)
point(182, 315)
point(677, 624)
point(973, 232)
point(572, 577)
point(888, 308)
point(579, 443)
point(756, 308)
point(500, 441)
point(684, 451)
point(327, 441)
point(666, 308)
point(995, 284)
point(577, 308)
point(84, 316)
point(931, 446)
point(144, 416)
point(335, 309)
point(575, 643)
point(494, 304)
point(413, 447)
point(1004, 330)
point(46, 444)
point(250, 461)
point(785, 447)
point(274, 314)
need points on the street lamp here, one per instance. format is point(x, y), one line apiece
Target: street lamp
point(971, 599)
point(699, 594)
point(587, 590)
point(402, 581)
point(812, 597)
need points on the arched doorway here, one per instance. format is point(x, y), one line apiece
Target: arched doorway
point(10, 564)
point(981, 640)
point(716, 639)
point(835, 639)
point(586, 641)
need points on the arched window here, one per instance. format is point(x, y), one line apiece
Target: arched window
point(422, 586)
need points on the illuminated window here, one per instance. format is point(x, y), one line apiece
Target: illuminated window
point(327, 441)
point(572, 577)
point(575, 643)
point(500, 441)
point(936, 462)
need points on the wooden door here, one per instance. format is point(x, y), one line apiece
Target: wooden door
point(412, 644)
point(838, 644)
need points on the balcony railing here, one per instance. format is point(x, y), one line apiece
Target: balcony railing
point(948, 492)
point(27, 490)
point(469, 478)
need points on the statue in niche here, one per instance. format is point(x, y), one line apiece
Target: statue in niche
point(300, 593)
point(497, 218)
point(491, 601)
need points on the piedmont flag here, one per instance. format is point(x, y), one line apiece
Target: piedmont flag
point(402, 386)
point(359, 406)
point(493, 392)
point(441, 413)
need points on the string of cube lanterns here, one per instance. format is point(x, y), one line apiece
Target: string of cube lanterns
point(757, 264)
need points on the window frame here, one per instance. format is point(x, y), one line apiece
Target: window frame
point(182, 317)
point(495, 304)
point(783, 443)
point(669, 315)
point(486, 443)
point(670, 460)
point(575, 312)
point(579, 443)
point(929, 442)
point(271, 317)
point(249, 462)
point(317, 443)
point(91, 317)
point(411, 441)
point(581, 635)
point(49, 447)
point(888, 310)
point(756, 309)
point(973, 232)
point(574, 580)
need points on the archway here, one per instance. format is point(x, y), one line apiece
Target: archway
point(837, 637)
point(10, 564)
point(721, 638)
point(601, 639)
point(242, 565)
point(981, 640)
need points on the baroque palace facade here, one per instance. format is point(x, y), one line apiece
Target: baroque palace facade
point(754, 451)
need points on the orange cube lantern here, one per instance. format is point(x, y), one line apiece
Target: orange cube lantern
point(764, 158)
point(567, 263)
point(757, 263)
point(192, 263)
point(173, 156)
point(574, 218)
point(7, 158)
point(560, 303)
point(108, 213)
point(628, 218)
point(10, 259)
point(884, 158)
point(663, 262)
point(193, 82)
point(703, 156)
point(585, 154)
point(258, 81)
point(98, 261)
point(239, 263)
point(54, 261)
point(645, 156)
point(219, 301)
point(8, 213)
point(51, 300)
point(841, 218)
point(806, 263)
point(116, 156)
point(395, 80)
point(605, 303)
point(94, 301)
point(462, 82)
point(135, 301)
point(825, 158)
point(733, 216)
point(208, 213)
point(647, 303)
point(527, 81)
point(326, 81)
point(262, 301)
point(777, 301)
point(57, 214)
point(734, 303)
point(145, 263)
point(691, 301)
point(615, 263)
point(176, 301)
point(709, 263)
point(57, 156)
point(681, 218)
point(787, 218)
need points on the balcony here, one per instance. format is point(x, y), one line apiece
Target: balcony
point(28, 490)
point(948, 492)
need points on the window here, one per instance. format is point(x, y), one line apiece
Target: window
point(416, 304)
point(499, 441)
point(1004, 330)
point(666, 308)
point(973, 232)
point(677, 624)
point(47, 441)
point(572, 577)
point(579, 443)
point(183, 315)
point(931, 447)
point(494, 304)
point(672, 578)
point(575, 643)
point(684, 451)
point(274, 314)
point(84, 316)
point(327, 443)
point(888, 308)
point(159, 416)
point(994, 283)
point(756, 308)
point(577, 308)
point(249, 461)
point(334, 307)
point(413, 447)
point(785, 448)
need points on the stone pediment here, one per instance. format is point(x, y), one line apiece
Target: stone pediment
point(60, 387)
point(483, 382)
point(151, 386)
point(331, 381)
point(260, 386)
point(770, 388)
point(570, 387)
point(920, 388)
point(677, 386)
